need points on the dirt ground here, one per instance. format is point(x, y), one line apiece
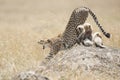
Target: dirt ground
point(24, 22)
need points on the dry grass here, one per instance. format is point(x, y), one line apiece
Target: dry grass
point(24, 22)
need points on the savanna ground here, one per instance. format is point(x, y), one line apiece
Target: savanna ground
point(24, 22)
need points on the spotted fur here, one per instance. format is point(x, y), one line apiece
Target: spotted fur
point(55, 44)
point(78, 17)
point(69, 37)
point(85, 36)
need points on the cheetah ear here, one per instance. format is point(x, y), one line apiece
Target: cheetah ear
point(40, 42)
point(99, 36)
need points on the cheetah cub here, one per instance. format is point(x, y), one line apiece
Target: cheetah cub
point(97, 39)
point(87, 38)
point(85, 34)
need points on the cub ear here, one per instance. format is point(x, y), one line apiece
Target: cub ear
point(99, 35)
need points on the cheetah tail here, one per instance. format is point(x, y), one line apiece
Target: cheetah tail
point(96, 21)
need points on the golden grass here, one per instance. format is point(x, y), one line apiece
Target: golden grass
point(24, 22)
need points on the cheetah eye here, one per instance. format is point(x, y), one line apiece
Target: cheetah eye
point(48, 40)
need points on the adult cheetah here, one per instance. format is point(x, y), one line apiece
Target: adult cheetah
point(70, 35)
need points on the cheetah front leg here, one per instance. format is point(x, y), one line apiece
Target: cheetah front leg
point(49, 57)
point(51, 54)
point(53, 51)
point(79, 38)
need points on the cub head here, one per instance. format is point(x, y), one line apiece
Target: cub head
point(45, 43)
point(97, 34)
point(80, 29)
point(88, 28)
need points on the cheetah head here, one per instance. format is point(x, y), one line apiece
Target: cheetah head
point(80, 28)
point(45, 43)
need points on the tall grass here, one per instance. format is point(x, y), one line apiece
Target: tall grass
point(24, 22)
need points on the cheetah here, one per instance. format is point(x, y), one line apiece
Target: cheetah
point(49, 42)
point(85, 34)
point(55, 44)
point(97, 39)
point(69, 37)
point(87, 38)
